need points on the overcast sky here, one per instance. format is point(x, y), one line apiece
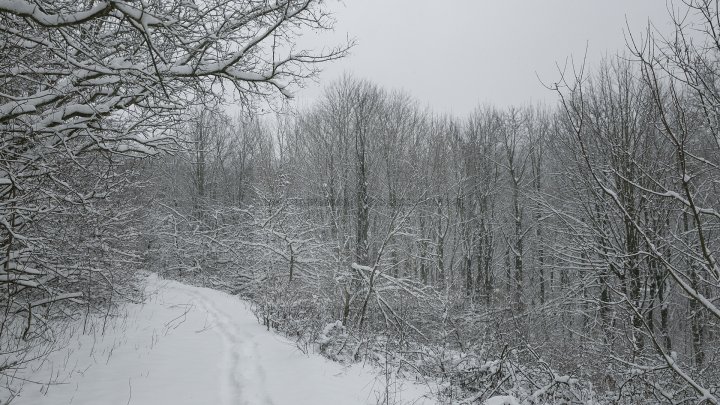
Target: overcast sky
point(455, 54)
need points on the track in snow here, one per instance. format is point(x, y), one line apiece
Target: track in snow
point(190, 345)
point(244, 373)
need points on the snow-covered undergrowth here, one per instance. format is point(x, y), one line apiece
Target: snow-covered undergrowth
point(469, 352)
point(191, 345)
point(461, 363)
point(475, 375)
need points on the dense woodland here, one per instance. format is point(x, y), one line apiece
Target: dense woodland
point(560, 253)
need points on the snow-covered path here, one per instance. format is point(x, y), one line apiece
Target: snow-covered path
point(190, 345)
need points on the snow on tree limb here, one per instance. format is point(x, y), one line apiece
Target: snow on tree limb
point(86, 87)
point(24, 8)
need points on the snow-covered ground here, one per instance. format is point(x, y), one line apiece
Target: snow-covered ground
point(189, 345)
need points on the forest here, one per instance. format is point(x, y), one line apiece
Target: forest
point(561, 253)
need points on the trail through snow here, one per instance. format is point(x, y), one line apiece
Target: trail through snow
point(190, 345)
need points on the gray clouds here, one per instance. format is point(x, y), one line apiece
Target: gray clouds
point(455, 54)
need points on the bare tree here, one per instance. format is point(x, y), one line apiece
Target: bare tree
point(618, 122)
point(88, 86)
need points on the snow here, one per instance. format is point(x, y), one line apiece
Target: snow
point(324, 338)
point(502, 400)
point(138, 15)
point(566, 379)
point(27, 9)
point(360, 267)
point(189, 345)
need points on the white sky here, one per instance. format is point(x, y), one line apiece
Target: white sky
point(455, 54)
